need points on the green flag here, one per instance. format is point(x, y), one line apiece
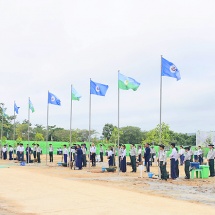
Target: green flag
point(75, 95)
point(126, 83)
point(31, 107)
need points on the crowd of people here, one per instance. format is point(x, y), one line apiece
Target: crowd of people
point(143, 155)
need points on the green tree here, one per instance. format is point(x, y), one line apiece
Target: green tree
point(114, 135)
point(107, 131)
point(39, 137)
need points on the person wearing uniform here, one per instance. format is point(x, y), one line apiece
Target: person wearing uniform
point(110, 157)
point(153, 154)
point(93, 154)
point(38, 151)
point(191, 154)
point(4, 151)
point(196, 157)
point(51, 150)
point(120, 154)
point(181, 153)
point(139, 154)
point(173, 157)
point(21, 150)
point(18, 152)
point(187, 157)
point(162, 162)
point(123, 159)
point(65, 154)
point(210, 158)
point(84, 155)
point(79, 157)
point(177, 163)
point(133, 154)
point(34, 150)
point(200, 154)
point(10, 152)
point(101, 153)
point(147, 157)
point(28, 153)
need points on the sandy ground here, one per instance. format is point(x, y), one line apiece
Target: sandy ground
point(40, 189)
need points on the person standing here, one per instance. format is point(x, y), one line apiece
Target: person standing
point(200, 154)
point(123, 159)
point(162, 162)
point(147, 156)
point(187, 158)
point(4, 151)
point(51, 151)
point(10, 152)
point(34, 150)
point(181, 154)
point(65, 154)
point(28, 153)
point(120, 154)
point(101, 153)
point(18, 152)
point(133, 154)
point(191, 154)
point(173, 157)
point(153, 154)
point(110, 157)
point(79, 157)
point(177, 163)
point(21, 150)
point(139, 154)
point(84, 151)
point(38, 151)
point(93, 154)
point(210, 158)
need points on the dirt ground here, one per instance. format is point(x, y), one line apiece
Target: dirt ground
point(49, 189)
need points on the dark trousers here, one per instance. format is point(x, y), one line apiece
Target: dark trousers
point(187, 169)
point(38, 157)
point(200, 159)
point(211, 167)
point(163, 170)
point(133, 163)
point(93, 159)
point(21, 156)
point(101, 156)
point(147, 164)
point(27, 157)
point(18, 156)
point(176, 168)
point(114, 163)
point(119, 162)
point(51, 156)
point(139, 158)
point(10, 155)
point(35, 154)
point(181, 159)
point(84, 160)
point(173, 168)
point(65, 158)
point(4, 155)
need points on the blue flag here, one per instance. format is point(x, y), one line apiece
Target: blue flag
point(98, 89)
point(52, 99)
point(16, 109)
point(169, 69)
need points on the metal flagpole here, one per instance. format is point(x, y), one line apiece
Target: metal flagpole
point(2, 129)
point(160, 130)
point(70, 130)
point(89, 126)
point(47, 130)
point(118, 126)
point(14, 128)
point(28, 128)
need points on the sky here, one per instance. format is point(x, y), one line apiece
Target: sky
point(51, 44)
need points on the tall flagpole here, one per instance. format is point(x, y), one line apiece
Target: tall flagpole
point(118, 126)
point(89, 126)
point(47, 130)
point(160, 130)
point(14, 127)
point(70, 153)
point(28, 128)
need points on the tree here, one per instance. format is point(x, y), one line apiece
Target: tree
point(114, 135)
point(107, 131)
point(39, 137)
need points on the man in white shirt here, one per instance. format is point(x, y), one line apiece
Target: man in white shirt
point(10, 152)
point(21, 150)
point(34, 150)
point(84, 155)
point(210, 158)
point(181, 153)
point(200, 154)
point(101, 153)
point(173, 157)
point(162, 162)
point(51, 151)
point(4, 151)
point(18, 152)
point(65, 154)
point(38, 153)
point(93, 154)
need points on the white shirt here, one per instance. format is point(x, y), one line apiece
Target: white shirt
point(211, 154)
point(123, 153)
point(4, 149)
point(65, 151)
point(181, 151)
point(110, 153)
point(93, 149)
point(21, 149)
point(39, 149)
point(11, 149)
point(162, 156)
point(200, 152)
point(139, 151)
point(51, 149)
point(174, 154)
point(17, 148)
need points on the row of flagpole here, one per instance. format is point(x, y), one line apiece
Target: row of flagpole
point(124, 83)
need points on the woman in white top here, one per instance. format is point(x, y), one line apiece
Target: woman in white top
point(123, 159)
point(110, 157)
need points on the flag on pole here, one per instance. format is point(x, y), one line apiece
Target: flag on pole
point(52, 99)
point(16, 108)
point(169, 69)
point(31, 107)
point(126, 83)
point(98, 89)
point(75, 94)
point(4, 114)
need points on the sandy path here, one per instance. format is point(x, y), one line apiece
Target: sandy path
point(33, 192)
